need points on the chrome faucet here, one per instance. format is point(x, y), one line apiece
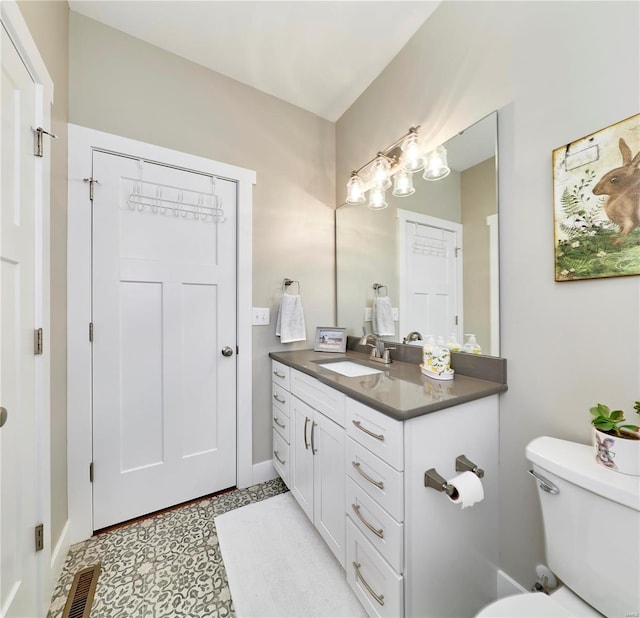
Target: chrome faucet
point(379, 353)
point(414, 335)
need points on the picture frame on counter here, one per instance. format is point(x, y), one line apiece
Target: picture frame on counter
point(330, 339)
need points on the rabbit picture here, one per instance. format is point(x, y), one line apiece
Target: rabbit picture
point(622, 186)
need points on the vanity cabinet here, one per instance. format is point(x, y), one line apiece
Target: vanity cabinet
point(316, 456)
point(359, 474)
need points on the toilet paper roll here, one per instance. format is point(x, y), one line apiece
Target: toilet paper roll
point(469, 489)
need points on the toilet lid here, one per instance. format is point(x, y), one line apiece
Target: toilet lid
point(532, 605)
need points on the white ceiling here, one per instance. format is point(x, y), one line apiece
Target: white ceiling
point(318, 55)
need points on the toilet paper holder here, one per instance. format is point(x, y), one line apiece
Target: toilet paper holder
point(463, 464)
point(436, 481)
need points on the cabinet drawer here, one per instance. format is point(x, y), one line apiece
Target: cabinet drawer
point(381, 434)
point(281, 423)
point(280, 397)
point(280, 374)
point(378, 587)
point(319, 396)
point(281, 457)
point(377, 478)
point(384, 532)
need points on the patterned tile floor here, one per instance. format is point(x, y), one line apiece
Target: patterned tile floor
point(168, 565)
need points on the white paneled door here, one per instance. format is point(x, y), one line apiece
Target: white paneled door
point(164, 336)
point(19, 386)
point(431, 288)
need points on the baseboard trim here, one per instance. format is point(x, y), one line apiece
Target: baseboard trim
point(508, 586)
point(59, 555)
point(263, 472)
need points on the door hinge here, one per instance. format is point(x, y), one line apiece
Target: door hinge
point(91, 472)
point(38, 346)
point(38, 149)
point(91, 332)
point(39, 537)
point(458, 249)
point(92, 182)
point(456, 320)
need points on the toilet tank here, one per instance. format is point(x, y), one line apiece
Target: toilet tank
point(591, 526)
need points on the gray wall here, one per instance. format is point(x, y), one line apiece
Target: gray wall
point(49, 25)
point(125, 86)
point(542, 65)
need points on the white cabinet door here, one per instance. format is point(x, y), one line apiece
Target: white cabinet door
point(328, 442)
point(301, 470)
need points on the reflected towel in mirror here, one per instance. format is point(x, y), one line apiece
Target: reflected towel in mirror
point(290, 324)
point(382, 315)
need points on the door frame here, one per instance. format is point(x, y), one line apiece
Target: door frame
point(82, 142)
point(50, 560)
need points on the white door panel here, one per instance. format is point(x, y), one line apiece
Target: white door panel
point(431, 287)
point(164, 295)
point(18, 373)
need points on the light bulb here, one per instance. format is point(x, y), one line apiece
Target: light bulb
point(377, 199)
point(403, 184)
point(355, 190)
point(412, 159)
point(380, 173)
point(437, 167)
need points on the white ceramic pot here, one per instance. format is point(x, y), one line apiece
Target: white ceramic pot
point(619, 454)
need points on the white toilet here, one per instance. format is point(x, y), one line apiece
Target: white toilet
point(591, 521)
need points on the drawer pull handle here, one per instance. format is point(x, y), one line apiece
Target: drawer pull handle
point(378, 484)
point(356, 509)
point(378, 598)
point(276, 420)
point(278, 399)
point(306, 444)
point(282, 461)
point(278, 374)
point(377, 436)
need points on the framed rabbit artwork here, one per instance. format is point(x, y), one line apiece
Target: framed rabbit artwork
point(596, 197)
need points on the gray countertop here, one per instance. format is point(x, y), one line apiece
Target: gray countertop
point(401, 391)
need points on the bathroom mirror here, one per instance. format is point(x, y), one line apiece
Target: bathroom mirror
point(435, 252)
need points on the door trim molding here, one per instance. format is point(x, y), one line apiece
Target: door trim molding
point(82, 141)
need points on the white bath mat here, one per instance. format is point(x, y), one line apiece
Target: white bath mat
point(279, 566)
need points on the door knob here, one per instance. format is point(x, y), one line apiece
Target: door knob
point(227, 351)
point(3, 416)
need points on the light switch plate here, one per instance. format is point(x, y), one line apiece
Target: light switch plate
point(368, 316)
point(395, 314)
point(260, 316)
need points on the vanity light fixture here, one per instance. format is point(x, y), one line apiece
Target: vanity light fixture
point(398, 162)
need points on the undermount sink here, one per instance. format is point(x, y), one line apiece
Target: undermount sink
point(348, 368)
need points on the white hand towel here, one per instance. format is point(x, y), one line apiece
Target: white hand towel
point(383, 317)
point(290, 325)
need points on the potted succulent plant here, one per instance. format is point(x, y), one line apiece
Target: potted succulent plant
point(616, 442)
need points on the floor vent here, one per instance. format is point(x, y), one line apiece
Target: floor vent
point(81, 594)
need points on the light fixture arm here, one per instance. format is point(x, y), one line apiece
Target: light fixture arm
point(385, 153)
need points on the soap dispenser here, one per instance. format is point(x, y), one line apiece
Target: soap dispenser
point(453, 344)
point(471, 346)
point(437, 360)
point(427, 352)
